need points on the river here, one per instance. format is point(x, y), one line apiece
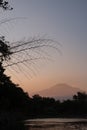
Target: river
point(56, 124)
point(45, 124)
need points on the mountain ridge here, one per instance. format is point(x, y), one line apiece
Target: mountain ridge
point(59, 91)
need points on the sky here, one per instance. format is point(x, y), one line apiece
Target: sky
point(64, 21)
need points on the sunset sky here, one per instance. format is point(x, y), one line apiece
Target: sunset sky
point(64, 21)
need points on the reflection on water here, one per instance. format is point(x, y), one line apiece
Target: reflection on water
point(56, 124)
point(46, 124)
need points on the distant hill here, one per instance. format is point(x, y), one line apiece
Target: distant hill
point(59, 91)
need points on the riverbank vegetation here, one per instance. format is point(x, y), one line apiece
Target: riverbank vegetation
point(17, 104)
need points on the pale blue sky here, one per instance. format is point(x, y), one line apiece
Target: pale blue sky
point(62, 20)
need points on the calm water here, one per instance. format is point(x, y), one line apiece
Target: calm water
point(56, 124)
point(45, 124)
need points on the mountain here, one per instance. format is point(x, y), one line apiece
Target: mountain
point(59, 91)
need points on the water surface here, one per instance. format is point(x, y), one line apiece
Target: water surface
point(56, 124)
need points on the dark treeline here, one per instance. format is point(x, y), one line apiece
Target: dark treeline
point(15, 103)
point(49, 107)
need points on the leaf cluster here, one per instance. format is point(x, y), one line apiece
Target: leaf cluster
point(5, 5)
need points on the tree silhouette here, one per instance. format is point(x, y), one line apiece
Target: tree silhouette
point(80, 97)
point(24, 54)
point(4, 50)
point(5, 5)
point(4, 53)
point(13, 100)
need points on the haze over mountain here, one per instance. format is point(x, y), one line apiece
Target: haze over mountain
point(59, 91)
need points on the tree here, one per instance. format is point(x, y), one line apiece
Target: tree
point(12, 97)
point(5, 5)
point(4, 50)
point(80, 96)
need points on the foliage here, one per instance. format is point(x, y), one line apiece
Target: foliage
point(49, 107)
point(4, 50)
point(13, 98)
point(5, 5)
point(11, 95)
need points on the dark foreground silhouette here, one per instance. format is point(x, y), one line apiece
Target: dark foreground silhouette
point(14, 126)
point(16, 105)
